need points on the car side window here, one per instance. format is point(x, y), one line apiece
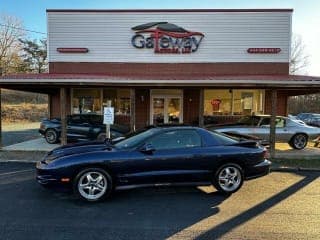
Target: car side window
point(75, 119)
point(265, 121)
point(280, 122)
point(176, 139)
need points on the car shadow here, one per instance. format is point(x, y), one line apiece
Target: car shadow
point(158, 212)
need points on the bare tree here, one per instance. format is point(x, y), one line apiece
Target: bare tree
point(10, 46)
point(299, 59)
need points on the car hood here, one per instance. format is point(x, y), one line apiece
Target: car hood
point(77, 148)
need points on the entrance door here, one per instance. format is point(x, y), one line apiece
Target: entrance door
point(166, 109)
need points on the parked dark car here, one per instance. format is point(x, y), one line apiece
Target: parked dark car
point(80, 127)
point(157, 156)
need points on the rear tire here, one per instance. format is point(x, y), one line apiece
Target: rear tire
point(51, 136)
point(299, 141)
point(93, 184)
point(101, 137)
point(228, 178)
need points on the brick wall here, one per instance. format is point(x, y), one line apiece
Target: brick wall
point(281, 103)
point(169, 69)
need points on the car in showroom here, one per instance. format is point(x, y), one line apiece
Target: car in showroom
point(80, 127)
point(295, 132)
point(162, 156)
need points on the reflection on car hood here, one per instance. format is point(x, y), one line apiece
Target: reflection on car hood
point(77, 148)
point(213, 126)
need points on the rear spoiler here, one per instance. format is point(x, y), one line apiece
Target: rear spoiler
point(248, 143)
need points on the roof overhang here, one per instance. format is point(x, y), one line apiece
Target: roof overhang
point(241, 81)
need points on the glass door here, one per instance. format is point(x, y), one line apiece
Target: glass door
point(173, 110)
point(166, 109)
point(158, 110)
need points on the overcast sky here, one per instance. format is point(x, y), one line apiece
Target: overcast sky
point(306, 16)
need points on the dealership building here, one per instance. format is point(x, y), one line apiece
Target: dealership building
point(167, 66)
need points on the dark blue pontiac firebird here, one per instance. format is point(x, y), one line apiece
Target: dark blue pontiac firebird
point(157, 156)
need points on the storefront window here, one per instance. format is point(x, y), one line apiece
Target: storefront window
point(248, 102)
point(233, 102)
point(86, 101)
point(217, 102)
point(120, 100)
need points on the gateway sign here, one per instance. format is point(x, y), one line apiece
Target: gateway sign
point(166, 37)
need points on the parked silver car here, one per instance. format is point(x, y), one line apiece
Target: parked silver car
point(295, 132)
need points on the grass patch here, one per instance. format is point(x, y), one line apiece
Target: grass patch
point(313, 162)
point(25, 112)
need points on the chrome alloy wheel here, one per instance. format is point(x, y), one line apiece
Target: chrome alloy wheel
point(300, 141)
point(229, 178)
point(92, 185)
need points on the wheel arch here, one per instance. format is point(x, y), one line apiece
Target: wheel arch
point(102, 166)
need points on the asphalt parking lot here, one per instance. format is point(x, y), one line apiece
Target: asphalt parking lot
point(278, 206)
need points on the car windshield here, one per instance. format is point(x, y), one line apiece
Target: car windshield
point(249, 120)
point(135, 140)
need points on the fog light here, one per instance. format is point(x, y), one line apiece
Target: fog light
point(65, 179)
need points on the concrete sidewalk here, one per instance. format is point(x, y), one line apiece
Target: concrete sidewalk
point(38, 144)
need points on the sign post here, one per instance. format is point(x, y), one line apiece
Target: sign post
point(108, 118)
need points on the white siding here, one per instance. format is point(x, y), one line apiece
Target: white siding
point(228, 35)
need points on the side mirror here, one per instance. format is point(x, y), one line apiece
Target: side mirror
point(147, 148)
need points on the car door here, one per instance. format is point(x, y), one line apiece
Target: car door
point(172, 159)
point(282, 133)
point(78, 127)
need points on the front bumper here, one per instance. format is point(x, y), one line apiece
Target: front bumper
point(50, 178)
point(258, 170)
point(44, 175)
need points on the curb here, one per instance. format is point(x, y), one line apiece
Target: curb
point(293, 169)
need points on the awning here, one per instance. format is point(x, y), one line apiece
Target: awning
point(220, 81)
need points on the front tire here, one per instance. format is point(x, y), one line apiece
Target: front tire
point(299, 141)
point(228, 178)
point(93, 184)
point(51, 136)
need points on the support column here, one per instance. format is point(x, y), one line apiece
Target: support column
point(63, 116)
point(132, 109)
point(273, 123)
point(201, 108)
point(49, 106)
